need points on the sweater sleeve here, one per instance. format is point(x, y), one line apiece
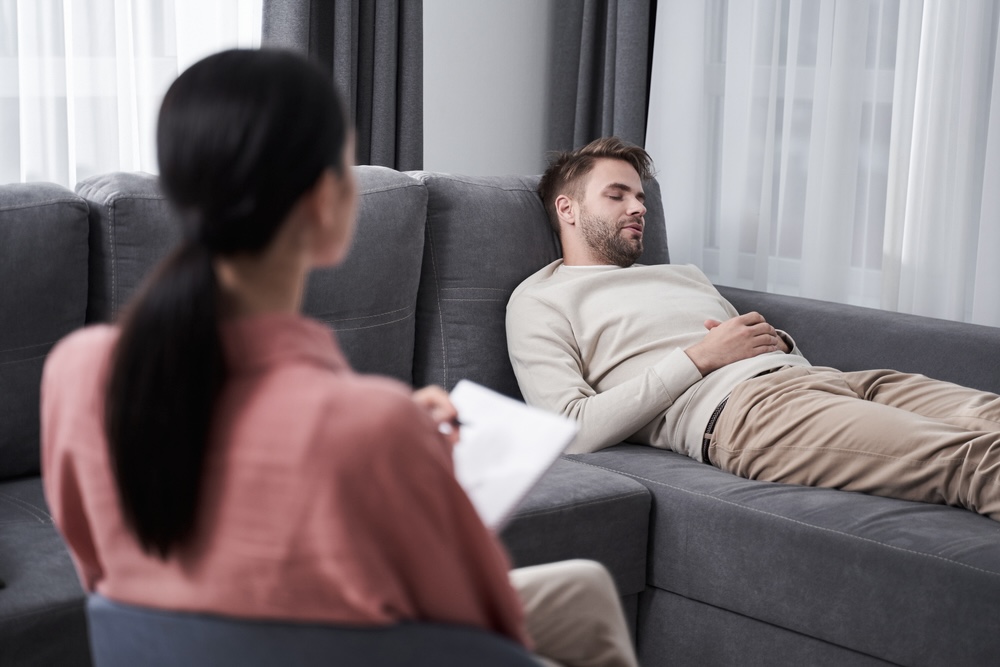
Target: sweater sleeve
point(550, 373)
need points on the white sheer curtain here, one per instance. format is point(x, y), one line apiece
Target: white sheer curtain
point(846, 150)
point(81, 81)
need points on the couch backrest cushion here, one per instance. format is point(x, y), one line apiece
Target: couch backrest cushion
point(370, 299)
point(43, 297)
point(484, 236)
point(132, 227)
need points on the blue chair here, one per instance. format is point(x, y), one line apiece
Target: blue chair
point(123, 635)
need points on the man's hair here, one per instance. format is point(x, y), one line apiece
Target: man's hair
point(567, 169)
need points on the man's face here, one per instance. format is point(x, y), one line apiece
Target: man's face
point(612, 213)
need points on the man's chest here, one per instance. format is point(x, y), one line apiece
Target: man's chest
point(624, 321)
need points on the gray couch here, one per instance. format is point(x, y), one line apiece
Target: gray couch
point(713, 570)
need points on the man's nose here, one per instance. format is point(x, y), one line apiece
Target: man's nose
point(637, 208)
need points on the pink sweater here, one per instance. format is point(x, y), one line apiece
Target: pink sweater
point(329, 496)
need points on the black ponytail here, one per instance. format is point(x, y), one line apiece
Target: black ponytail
point(241, 136)
point(167, 371)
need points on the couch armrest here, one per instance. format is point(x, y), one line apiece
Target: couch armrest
point(581, 511)
point(853, 338)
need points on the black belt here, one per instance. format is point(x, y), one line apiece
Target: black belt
point(709, 429)
point(706, 442)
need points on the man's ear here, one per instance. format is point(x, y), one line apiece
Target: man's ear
point(566, 209)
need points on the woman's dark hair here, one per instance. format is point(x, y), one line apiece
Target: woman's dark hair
point(242, 135)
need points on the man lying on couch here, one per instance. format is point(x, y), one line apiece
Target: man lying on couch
point(655, 355)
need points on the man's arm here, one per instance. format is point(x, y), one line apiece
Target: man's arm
point(737, 338)
point(550, 373)
point(550, 370)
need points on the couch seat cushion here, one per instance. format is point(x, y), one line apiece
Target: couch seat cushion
point(42, 620)
point(905, 582)
point(578, 511)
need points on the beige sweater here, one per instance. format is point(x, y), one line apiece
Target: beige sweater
point(605, 346)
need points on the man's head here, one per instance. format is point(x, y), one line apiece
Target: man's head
point(595, 201)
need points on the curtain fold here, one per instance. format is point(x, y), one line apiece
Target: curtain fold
point(373, 49)
point(81, 81)
point(600, 66)
point(845, 150)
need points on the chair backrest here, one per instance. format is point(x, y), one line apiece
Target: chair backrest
point(124, 635)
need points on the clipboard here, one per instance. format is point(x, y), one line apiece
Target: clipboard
point(505, 447)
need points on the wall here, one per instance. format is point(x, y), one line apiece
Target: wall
point(486, 65)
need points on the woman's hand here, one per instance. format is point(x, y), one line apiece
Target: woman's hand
point(438, 405)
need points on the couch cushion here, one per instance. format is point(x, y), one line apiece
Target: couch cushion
point(700, 634)
point(370, 299)
point(42, 620)
point(579, 511)
point(909, 583)
point(43, 296)
point(131, 228)
point(484, 236)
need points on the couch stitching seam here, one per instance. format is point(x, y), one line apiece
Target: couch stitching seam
point(437, 296)
point(390, 188)
point(520, 188)
point(21, 361)
point(364, 317)
point(373, 326)
point(117, 195)
point(489, 300)
point(26, 347)
point(47, 202)
point(35, 512)
point(114, 259)
point(566, 506)
point(797, 521)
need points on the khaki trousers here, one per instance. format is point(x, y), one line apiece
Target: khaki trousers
point(574, 615)
point(880, 432)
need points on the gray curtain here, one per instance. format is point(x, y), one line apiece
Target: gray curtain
point(374, 51)
point(600, 71)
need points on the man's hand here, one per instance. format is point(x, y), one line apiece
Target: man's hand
point(438, 405)
point(734, 340)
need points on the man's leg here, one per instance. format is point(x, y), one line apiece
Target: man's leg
point(880, 433)
point(970, 409)
point(574, 614)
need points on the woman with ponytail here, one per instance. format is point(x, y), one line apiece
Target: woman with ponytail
point(213, 452)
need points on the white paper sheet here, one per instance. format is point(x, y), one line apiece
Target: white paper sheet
point(505, 446)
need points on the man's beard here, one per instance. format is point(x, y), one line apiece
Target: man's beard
point(607, 242)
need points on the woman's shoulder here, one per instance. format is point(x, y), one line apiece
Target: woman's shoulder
point(71, 396)
point(373, 399)
point(85, 348)
point(377, 414)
